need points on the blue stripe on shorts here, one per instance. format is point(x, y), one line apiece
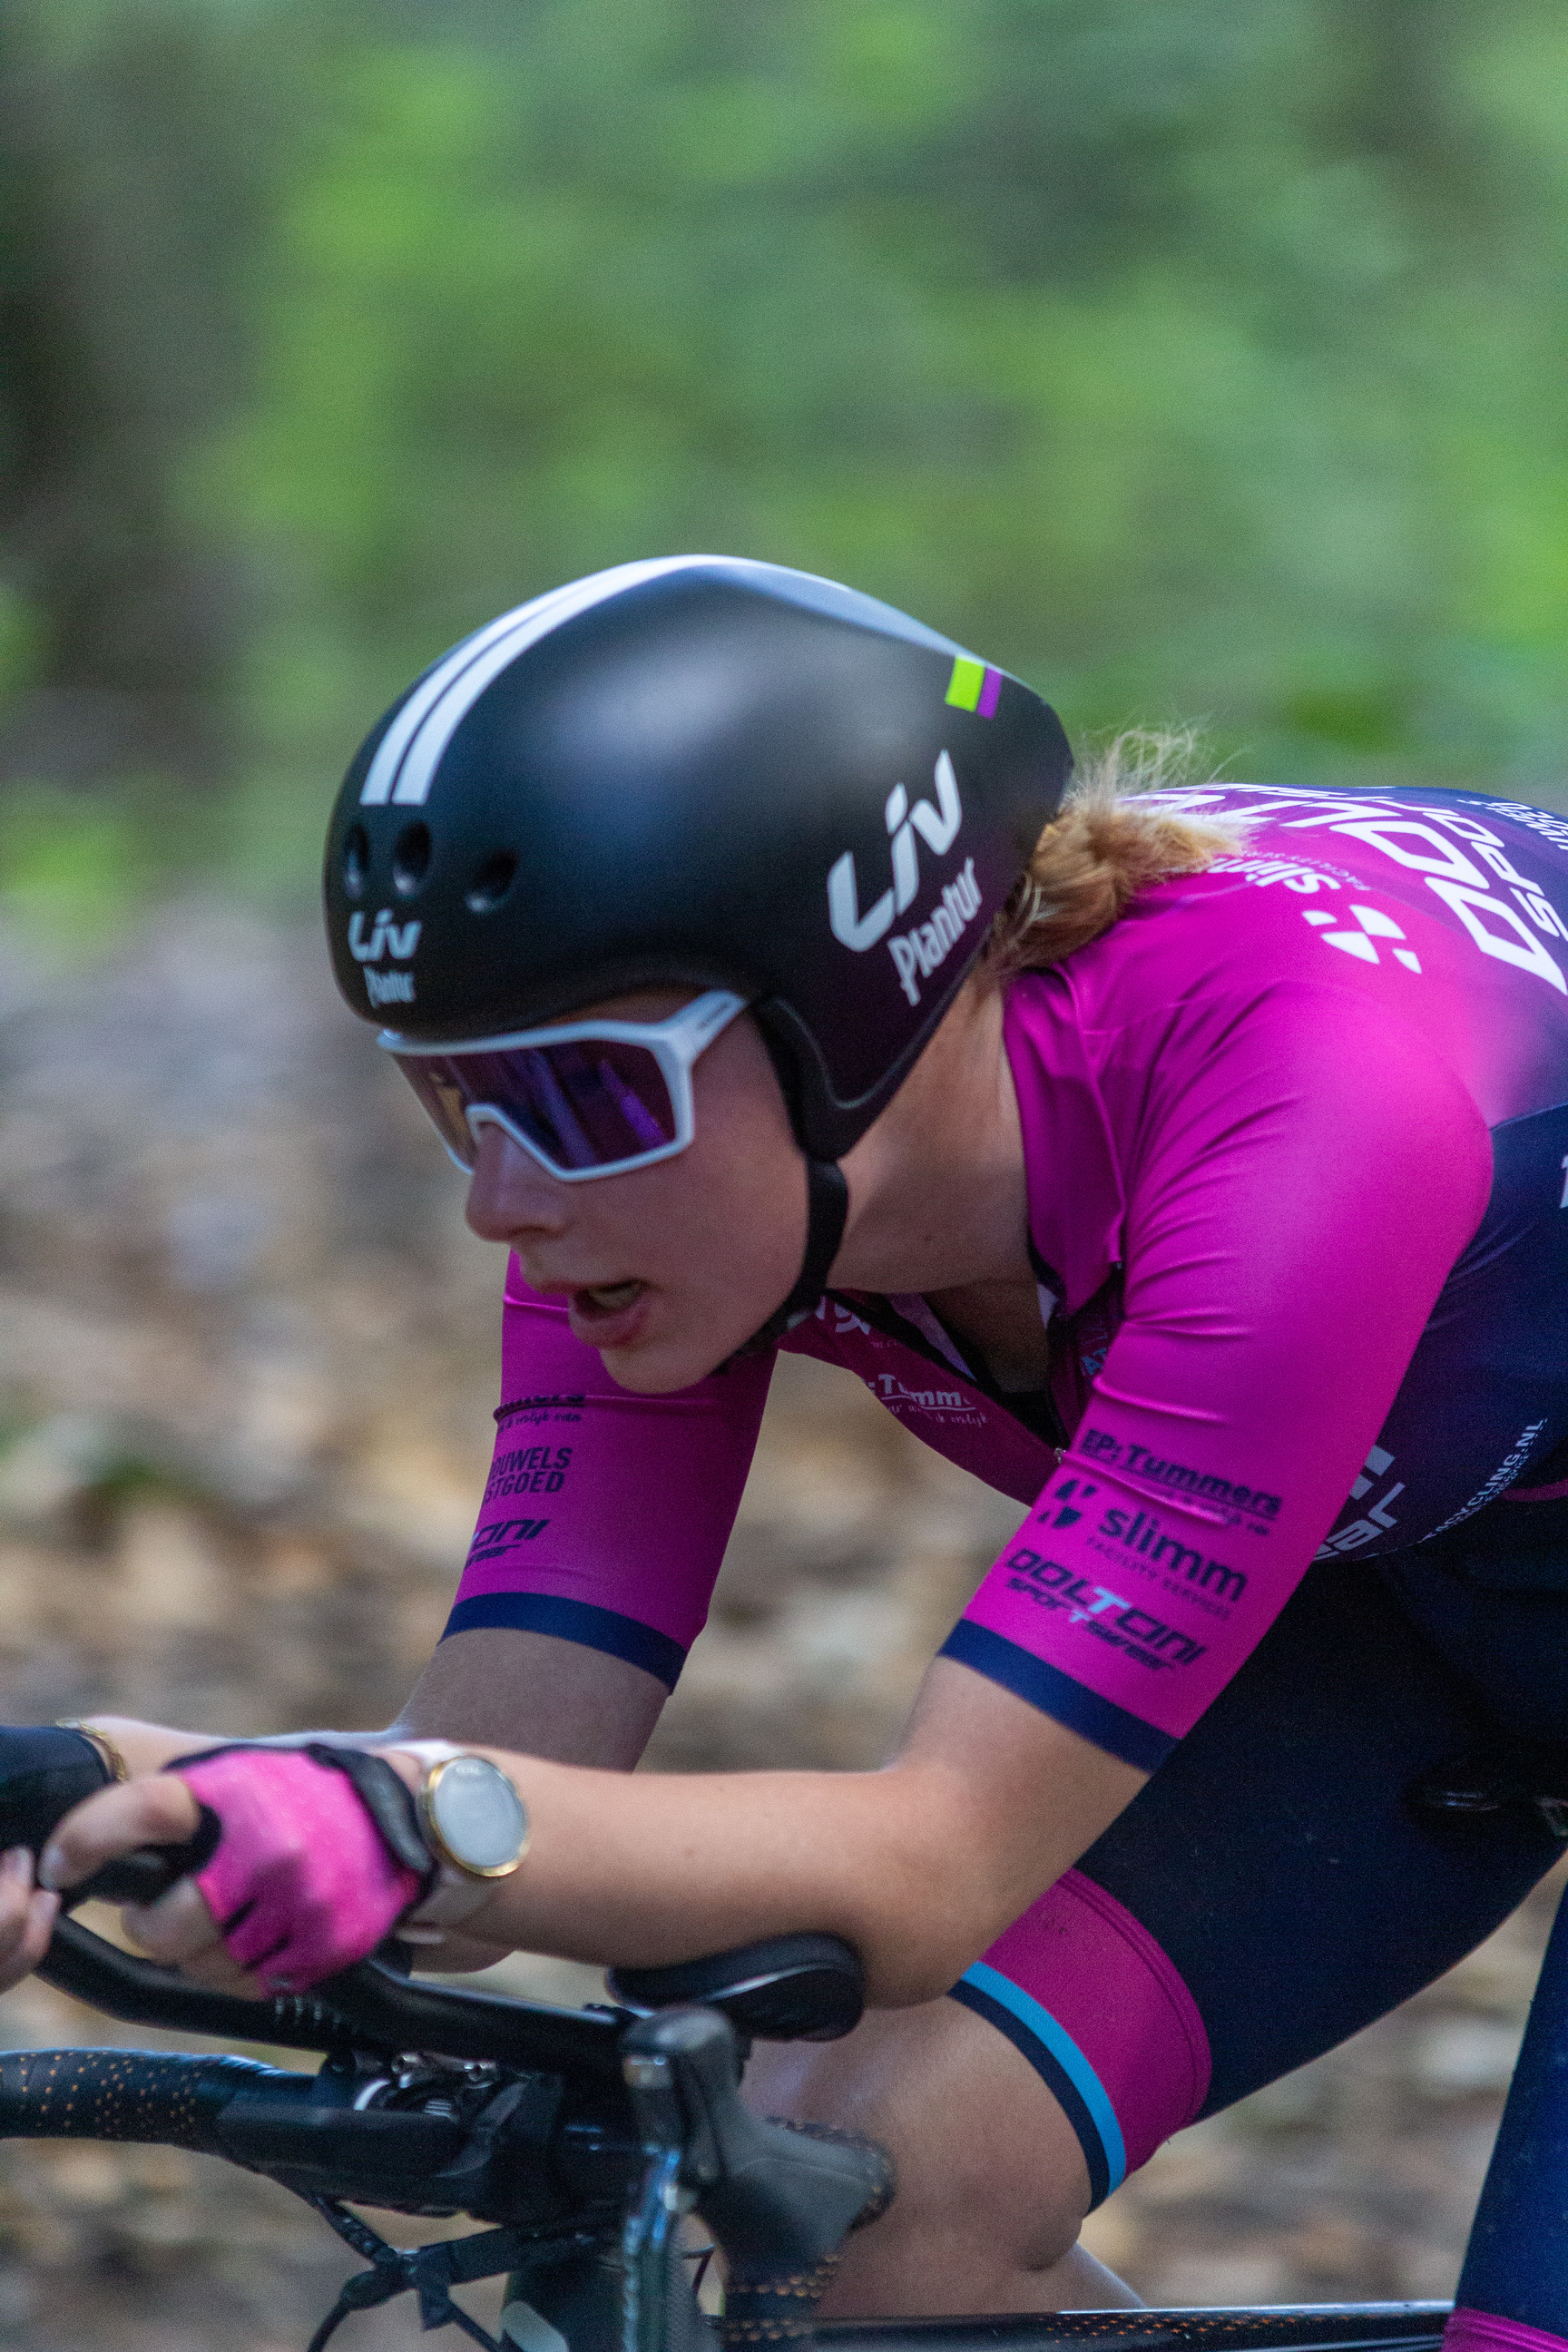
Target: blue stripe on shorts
point(1061, 2066)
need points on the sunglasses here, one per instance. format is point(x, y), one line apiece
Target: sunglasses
point(588, 1098)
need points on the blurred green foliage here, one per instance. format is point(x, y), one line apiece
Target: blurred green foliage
point(1197, 359)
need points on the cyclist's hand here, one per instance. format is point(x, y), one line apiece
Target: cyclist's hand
point(303, 1878)
point(179, 1930)
point(28, 1916)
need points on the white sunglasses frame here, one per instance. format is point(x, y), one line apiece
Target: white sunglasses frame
point(676, 1043)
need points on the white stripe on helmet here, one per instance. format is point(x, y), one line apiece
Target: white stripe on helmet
point(409, 753)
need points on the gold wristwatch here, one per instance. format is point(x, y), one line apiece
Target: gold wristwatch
point(472, 1817)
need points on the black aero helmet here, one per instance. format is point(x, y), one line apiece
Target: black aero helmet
point(699, 772)
point(696, 771)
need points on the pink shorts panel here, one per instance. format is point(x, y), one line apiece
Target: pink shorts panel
point(1112, 1988)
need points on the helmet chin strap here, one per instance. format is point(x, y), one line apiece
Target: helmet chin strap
point(827, 1205)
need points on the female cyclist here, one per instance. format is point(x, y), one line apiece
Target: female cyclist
point(1195, 1170)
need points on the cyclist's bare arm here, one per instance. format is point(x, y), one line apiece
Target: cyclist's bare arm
point(528, 1693)
point(519, 1690)
point(535, 1692)
point(918, 1865)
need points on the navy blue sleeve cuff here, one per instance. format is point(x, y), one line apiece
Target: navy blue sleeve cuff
point(1056, 1694)
point(573, 1620)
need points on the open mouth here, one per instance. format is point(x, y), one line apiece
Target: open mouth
point(608, 1297)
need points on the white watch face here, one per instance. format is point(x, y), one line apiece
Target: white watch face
point(478, 1815)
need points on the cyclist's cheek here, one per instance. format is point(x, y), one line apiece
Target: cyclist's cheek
point(721, 1243)
point(687, 1235)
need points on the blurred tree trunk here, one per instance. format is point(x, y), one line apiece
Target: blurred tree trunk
point(126, 193)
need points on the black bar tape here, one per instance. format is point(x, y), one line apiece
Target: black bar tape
point(127, 2094)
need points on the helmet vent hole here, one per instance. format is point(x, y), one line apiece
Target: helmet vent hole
point(356, 862)
point(491, 883)
point(411, 859)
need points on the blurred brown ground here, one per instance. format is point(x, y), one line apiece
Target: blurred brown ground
point(247, 1360)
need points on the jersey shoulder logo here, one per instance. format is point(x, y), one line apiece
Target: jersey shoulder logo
point(1374, 925)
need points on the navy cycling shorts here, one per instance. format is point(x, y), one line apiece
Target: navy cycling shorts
point(1274, 1888)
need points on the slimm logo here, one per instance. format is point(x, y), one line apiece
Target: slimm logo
point(396, 941)
point(919, 950)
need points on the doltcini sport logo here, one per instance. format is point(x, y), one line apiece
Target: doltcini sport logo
point(397, 943)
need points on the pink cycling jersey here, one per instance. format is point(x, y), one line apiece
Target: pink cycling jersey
point(1295, 1137)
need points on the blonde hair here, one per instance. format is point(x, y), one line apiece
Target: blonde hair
point(1107, 844)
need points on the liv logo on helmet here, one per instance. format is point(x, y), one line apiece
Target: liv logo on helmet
point(923, 948)
point(396, 940)
point(939, 827)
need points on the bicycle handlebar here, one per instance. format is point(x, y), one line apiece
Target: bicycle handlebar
point(141, 1876)
point(785, 1987)
point(493, 2148)
point(140, 1992)
point(370, 2007)
point(125, 2094)
point(529, 2150)
point(595, 2123)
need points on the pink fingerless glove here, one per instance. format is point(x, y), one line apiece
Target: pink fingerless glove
point(301, 1883)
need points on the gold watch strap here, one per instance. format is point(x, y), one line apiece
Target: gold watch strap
point(114, 1761)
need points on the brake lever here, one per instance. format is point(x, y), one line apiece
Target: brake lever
point(780, 2199)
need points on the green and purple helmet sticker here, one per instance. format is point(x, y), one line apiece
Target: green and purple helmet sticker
point(974, 686)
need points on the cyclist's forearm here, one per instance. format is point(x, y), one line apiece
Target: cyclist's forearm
point(920, 1866)
point(145, 1747)
point(148, 1747)
point(457, 1954)
point(528, 1693)
point(534, 1695)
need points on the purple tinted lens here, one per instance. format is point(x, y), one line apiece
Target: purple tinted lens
point(584, 1105)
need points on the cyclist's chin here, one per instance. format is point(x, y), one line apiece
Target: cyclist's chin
point(676, 1347)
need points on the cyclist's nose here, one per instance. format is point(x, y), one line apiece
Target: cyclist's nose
point(510, 1194)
